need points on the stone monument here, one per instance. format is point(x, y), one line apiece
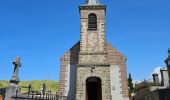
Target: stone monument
point(13, 89)
point(155, 79)
point(165, 77)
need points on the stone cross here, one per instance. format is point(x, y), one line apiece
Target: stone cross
point(15, 77)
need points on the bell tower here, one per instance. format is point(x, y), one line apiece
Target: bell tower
point(92, 33)
point(93, 69)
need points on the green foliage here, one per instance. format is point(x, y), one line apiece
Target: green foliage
point(4, 83)
point(36, 84)
point(144, 84)
point(1, 86)
point(2, 92)
point(130, 84)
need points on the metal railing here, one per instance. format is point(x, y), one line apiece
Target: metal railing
point(36, 95)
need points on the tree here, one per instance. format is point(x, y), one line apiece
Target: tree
point(130, 84)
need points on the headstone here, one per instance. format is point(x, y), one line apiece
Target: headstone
point(13, 89)
point(164, 76)
point(155, 78)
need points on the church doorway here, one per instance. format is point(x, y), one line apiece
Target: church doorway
point(93, 88)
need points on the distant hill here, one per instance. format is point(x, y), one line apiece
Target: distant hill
point(50, 85)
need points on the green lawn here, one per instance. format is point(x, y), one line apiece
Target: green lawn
point(50, 85)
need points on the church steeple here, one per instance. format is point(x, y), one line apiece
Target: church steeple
point(92, 33)
point(92, 2)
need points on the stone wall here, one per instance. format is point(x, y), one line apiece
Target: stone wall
point(68, 72)
point(147, 94)
point(115, 82)
point(92, 41)
point(65, 62)
point(113, 57)
point(116, 58)
point(72, 83)
point(102, 72)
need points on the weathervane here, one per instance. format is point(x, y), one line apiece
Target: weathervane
point(15, 77)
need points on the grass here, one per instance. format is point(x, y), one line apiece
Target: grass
point(36, 84)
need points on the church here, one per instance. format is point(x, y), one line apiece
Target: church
point(92, 69)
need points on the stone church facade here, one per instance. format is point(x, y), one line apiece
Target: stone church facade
point(92, 69)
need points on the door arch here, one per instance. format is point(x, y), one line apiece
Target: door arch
point(93, 88)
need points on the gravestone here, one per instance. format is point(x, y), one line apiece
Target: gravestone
point(13, 88)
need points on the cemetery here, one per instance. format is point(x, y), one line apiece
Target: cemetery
point(92, 69)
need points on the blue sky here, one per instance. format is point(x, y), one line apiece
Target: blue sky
point(40, 31)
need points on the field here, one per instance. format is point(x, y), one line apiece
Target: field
point(36, 84)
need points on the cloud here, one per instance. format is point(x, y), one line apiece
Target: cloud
point(136, 81)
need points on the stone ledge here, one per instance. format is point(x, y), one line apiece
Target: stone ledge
point(90, 65)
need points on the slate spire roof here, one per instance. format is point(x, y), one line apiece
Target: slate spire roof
point(92, 2)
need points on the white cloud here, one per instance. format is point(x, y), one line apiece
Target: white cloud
point(155, 70)
point(136, 81)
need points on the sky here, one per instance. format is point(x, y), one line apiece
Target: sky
point(41, 31)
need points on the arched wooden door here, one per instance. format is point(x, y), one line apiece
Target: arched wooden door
point(93, 88)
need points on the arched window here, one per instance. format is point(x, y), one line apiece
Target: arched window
point(92, 21)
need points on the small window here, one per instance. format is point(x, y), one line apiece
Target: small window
point(92, 21)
